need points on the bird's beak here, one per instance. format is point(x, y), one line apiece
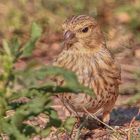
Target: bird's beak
point(69, 36)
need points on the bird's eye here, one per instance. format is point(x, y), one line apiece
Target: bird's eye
point(85, 30)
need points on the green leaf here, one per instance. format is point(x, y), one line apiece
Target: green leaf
point(34, 107)
point(15, 48)
point(6, 48)
point(11, 130)
point(15, 45)
point(36, 31)
point(30, 45)
point(28, 130)
point(45, 132)
point(69, 123)
point(53, 117)
point(3, 105)
point(72, 83)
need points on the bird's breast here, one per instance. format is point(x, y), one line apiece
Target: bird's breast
point(94, 71)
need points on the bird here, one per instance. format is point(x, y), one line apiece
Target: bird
point(86, 54)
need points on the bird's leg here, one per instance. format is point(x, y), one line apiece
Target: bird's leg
point(106, 111)
point(106, 117)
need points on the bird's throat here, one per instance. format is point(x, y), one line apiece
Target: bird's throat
point(81, 48)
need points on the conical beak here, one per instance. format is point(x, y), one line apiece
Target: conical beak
point(69, 36)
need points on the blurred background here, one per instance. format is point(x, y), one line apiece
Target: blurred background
point(119, 20)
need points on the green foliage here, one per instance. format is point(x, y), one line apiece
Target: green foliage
point(68, 124)
point(72, 84)
point(29, 46)
point(16, 84)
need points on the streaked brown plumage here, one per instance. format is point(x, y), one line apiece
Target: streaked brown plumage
point(86, 54)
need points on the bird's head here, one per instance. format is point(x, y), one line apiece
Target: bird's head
point(83, 30)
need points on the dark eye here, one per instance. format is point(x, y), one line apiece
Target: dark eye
point(85, 30)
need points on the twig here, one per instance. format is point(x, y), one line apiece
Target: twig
point(93, 116)
point(130, 125)
point(57, 137)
